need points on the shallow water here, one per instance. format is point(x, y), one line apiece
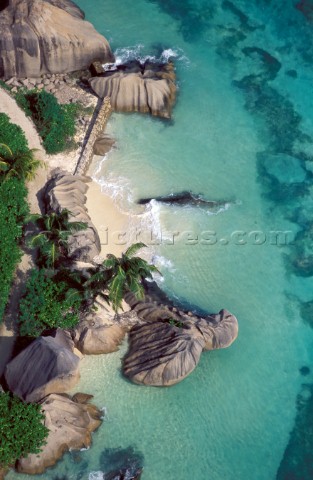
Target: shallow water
point(245, 75)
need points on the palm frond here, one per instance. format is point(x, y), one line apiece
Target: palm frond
point(116, 289)
point(134, 249)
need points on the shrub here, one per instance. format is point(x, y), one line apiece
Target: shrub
point(21, 429)
point(13, 210)
point(13, 136)
point(55, 123)
point(45, 305)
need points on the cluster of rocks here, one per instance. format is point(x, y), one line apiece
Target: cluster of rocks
point(50, 82)
point(67, 192)
point(70, 421)
point(42, 373)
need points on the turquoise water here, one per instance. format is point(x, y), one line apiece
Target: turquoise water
point(244, 71)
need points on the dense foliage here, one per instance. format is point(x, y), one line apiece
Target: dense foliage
point(13, 136)
point(119, 275)
point(55, 123)
point(55, 228)
point(13, 208)
point(21, 429)
point(46, 305)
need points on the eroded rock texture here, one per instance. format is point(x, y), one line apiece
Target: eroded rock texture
point(46, 366)
point(47, 36)
point(70, 426)
point(148, 88)
point(167, 348)
point(66, 191)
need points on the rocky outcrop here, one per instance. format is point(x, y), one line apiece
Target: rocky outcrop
point(94, 338)
point(186, 198)
point(47, 365)
point(103, 331)
point(66, 191)
point(167, 348)
point(47, 36)
point(70, 426)
point(103, 144)
point(147, 88)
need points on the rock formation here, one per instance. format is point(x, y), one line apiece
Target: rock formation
point(186, 198)
point(167, 348)
point(66, 191)
point(47, 365)
point(47, 36)
point(148, 88)
point(70, 425)
point(94, 338)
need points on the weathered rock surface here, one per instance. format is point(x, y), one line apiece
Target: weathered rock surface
point(167, 348)
point(70, 425)
point(101, 332)
point(66, 191)
point(103, 144)
point(94, 338)
point(148, 88)
point(46, 366)
point(47, 36)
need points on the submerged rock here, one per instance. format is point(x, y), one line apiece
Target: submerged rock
point(167, 348)
point(185, 198)
point(45, 366)
point(70, 426)
point(50, 36)
point(66, 191)
point(148, 88)
point(283, 167)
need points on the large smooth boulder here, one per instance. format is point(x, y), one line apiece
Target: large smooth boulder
point(161, 354)
point(103, 331)
point(94, 338)
point(167, 347)
point(148, 88)
point(67, 191)
point(47, 36)
point(46, 366)
point(70, 426)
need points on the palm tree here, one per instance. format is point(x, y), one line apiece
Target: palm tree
point(21, 165)
point(119, 275)
point(54, 232)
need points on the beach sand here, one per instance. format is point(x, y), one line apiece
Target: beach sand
point(111, 223)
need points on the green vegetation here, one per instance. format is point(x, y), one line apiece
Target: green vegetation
point(5, 86)
point(13, 136)
point(52, 239)
point(13, 205)
point(55, 123)
point(21, 429)
point(175, 323)
point(46, 305)
point(119, 275)
point(21, 165)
